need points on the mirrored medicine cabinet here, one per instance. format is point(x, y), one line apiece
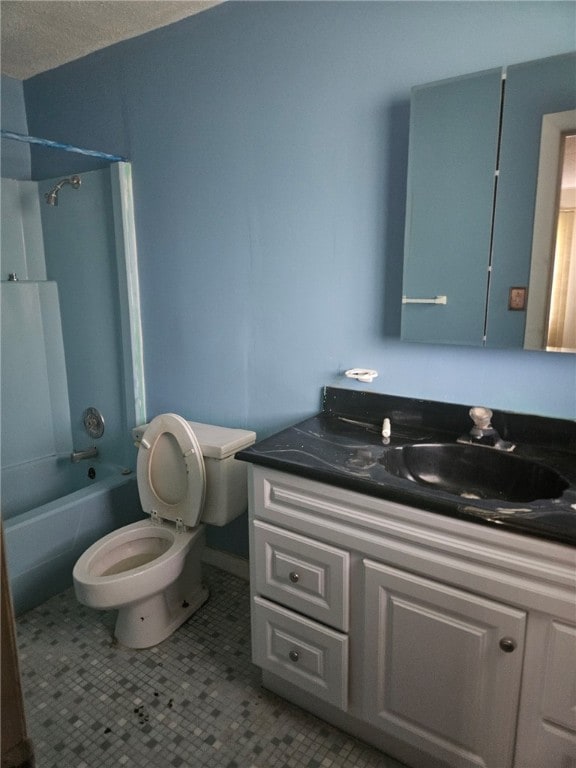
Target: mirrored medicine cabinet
point(490, 238)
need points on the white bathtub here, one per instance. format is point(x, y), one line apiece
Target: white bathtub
point(52, 510)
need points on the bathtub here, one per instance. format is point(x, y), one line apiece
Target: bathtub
point(52, 510)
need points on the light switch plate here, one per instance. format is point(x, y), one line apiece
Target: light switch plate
point(517, 298)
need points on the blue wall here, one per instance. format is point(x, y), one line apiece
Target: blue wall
point(269, 147)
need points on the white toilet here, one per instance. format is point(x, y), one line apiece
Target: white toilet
point(150, 570)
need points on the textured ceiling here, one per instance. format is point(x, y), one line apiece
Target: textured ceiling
point(38, 35)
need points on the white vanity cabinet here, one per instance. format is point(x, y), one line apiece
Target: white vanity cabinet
point(440, 641)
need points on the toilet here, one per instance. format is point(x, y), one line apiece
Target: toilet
point(150, 571)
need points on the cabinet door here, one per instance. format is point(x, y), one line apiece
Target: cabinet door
point(547, 726)
point(451, 176)
point(442, 668)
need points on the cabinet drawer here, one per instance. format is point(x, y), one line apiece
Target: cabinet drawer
point(313, 657)
point(303, 574)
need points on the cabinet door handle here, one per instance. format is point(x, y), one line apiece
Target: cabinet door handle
point(294, 656)
point(507, 644)
point(294, 577)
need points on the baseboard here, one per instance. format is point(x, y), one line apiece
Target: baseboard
point(237, 566)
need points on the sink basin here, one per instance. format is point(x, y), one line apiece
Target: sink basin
point(474, 472)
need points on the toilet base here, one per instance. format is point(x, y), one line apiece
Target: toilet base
point(149, 622)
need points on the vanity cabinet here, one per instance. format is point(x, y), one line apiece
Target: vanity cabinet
point(442, 642)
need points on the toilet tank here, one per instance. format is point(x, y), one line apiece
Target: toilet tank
point(226, 493)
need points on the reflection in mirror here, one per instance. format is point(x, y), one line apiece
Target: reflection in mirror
point(551, 315)
point(562, 315)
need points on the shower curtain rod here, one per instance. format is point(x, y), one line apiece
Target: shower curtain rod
point(58, 145)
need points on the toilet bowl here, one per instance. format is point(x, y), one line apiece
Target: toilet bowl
point(150, 571)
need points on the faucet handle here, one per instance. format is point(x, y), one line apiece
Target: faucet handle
point(483, 433)
point(481, 417)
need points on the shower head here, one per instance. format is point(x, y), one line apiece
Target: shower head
point(52, 196)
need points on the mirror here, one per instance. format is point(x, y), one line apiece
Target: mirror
point(561, 327)
point(551, 314)
point(473, 173)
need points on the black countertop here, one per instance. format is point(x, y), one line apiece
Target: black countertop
point(343, 446)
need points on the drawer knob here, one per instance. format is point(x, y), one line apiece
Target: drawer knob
point(507, 644)
point(294, 656)
point(294, 577)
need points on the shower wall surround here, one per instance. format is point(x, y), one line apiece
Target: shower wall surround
point(78, 310)
point(22, 245)
point(79, 242)
point(35, 413)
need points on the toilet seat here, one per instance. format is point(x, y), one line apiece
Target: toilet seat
point(170, 470)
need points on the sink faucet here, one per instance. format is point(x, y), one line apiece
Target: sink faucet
point(89, 453)
point(483, 433)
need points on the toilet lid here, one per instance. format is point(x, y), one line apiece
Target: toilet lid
point(170, 470)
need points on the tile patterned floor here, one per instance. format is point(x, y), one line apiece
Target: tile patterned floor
point(193, 701)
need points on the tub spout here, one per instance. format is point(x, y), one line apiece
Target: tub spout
point(89, 453)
